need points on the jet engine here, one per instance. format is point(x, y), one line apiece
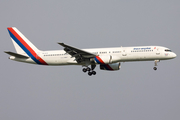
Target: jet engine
point(111, 67)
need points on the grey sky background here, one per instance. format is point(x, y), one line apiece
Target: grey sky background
point(136, 92)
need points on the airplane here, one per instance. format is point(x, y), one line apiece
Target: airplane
point(107, 58)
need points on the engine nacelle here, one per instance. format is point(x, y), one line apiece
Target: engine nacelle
point(111, 67)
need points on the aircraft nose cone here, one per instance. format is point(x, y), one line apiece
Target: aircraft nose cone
point(174, 55)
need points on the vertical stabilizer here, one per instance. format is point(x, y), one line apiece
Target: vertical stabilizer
point(24, 46)
point(19, 50)
point(20, 41)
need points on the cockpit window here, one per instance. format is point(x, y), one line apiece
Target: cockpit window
point(167, 50)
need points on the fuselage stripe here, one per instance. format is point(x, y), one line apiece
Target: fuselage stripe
point(100, 61)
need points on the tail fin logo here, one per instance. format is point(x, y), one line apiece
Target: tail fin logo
point(25, 44)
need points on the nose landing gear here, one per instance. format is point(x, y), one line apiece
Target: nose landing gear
point(155, 64)
point(155, 68)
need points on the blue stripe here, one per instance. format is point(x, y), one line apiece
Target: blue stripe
point(24, 48)
point(105, 66)
point(97, 61)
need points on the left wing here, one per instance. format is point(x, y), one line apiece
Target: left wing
point(79, 54)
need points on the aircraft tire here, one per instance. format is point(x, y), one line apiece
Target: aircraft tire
point(155, 68)
point(94, 72)
point(88, 69)
point(84, 70)
point(89, 73)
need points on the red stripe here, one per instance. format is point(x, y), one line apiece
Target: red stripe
point(100, 60)
point(26, 45)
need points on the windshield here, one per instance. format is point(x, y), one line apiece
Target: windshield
point(167, 50)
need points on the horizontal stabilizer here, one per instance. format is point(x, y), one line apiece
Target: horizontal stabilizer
point(16, 55)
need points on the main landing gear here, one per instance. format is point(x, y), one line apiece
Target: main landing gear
point(90, 70)
point(155, 64)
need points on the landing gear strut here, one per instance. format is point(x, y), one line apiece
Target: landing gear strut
point(90, 70)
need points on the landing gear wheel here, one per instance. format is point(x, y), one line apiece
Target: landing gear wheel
point(94, 72)
point(84, 70)
point(155, 68)
point(88, 69)
point(89, 73)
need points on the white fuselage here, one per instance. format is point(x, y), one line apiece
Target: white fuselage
point(118, 54)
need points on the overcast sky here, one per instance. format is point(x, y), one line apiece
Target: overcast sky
point(136, 92)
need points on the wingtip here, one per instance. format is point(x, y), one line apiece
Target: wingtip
point(61, 43)
point(6, 51)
